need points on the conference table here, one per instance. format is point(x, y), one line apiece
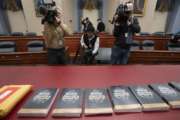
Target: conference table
point(91, 77)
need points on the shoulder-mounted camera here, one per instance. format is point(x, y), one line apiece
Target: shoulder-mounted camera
point(49, 12)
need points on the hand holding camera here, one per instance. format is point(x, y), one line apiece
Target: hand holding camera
point(50, 13)
point(124, 21)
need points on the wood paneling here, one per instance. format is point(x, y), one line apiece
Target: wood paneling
point(160, 55)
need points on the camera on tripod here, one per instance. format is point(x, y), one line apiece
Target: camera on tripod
point(49, 11)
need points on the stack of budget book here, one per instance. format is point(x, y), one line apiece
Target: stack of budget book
point(170, 95)
point(149, 100)
point(69, 103)
point(123, 100)
point(97, 102)
point(73, 102)
point(39, 104)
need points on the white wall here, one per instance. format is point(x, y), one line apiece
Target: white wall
point(68, 7)
point(27, 22)
point(111, 7)
point(34, 22)
point(16, 21)
point(151, 21)
point(94, 16)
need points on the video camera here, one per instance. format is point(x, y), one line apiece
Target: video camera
point(49, 11)
point(123, 12)
point(124, 8)
point(124, 21)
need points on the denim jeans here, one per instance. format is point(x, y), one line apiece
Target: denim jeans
point(119, 55)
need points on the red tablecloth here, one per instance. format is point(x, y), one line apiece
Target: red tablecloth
point(92, 77)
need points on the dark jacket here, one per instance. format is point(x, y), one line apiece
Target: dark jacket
point(101, 27)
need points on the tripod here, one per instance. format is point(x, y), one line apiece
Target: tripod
point(78, 56)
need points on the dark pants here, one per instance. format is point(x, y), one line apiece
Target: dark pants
point(119, 55)
point(88, 57)
point(56, 56)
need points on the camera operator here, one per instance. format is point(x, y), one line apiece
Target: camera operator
point(90, 44)
point(54, 32)
point(124, 28)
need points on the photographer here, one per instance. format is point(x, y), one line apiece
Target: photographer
point(90, 44)
point(86, 24)
point(54, 32)
point(124, 28)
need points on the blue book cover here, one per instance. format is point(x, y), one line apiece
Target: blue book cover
point(97, 102)
point(69, 103)
point(39, 103)
point(149, 100)
point(170, 95)
point(123, 100)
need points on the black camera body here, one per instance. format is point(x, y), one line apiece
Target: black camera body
point(48, 11)
point(122, 15)
point(123, 20)
point(122, 9)
point(50, 17)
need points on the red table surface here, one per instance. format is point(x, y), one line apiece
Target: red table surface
point(92, 77)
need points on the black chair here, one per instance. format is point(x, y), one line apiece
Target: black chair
point(35, 46)
point(104, 55)
point(135, 45)
point(4, 34)
point(148, 45)
point(174, 46)
point(30, 34)
point(144, 33)
point(7, 47)
point(17, 34)
point(159, 33)
point(177, 33)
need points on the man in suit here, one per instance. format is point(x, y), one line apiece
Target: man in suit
point(100, 26)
